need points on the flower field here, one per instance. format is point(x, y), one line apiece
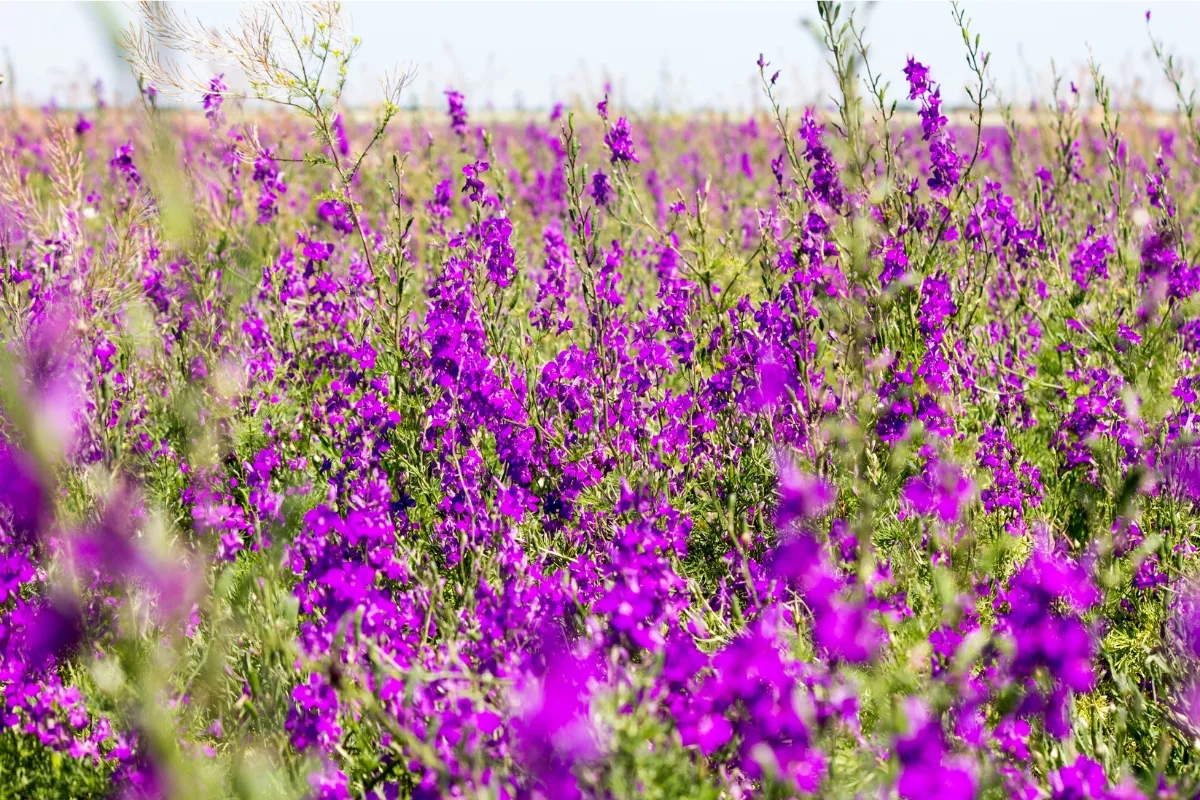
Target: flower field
point(844, 452)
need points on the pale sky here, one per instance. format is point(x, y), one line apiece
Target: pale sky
point(680, 55)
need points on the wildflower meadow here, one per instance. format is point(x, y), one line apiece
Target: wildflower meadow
point(844, 452)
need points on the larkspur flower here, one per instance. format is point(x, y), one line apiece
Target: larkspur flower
point(917, 75)
point(457, 111)
point(337, 214)
point(942, 490)
point(340, 139)
point(601, 188)
point(213, 99)
point(826, 184)
point(620, 142)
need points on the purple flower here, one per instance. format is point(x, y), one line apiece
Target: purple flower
point(926, 769)
point(313, 717)
point(49, 630)
point(1180, 469)
point(337, 214)
point(937, 304)
point(500, 259)
point(945, 165)
point(1184, 621)
point(1045, 602)
point(1082, 780)
point(23, 498)
point(112, 551)
point(1090, 260)
point(802, 496)
point(317, 251)
point(777, 379)
point(1164, 271)
point(1127, 336)
point(827, 187)
point(457, 110)
point(917, 75)
point(941, 490)
point(474, 188)
point(339, 135)
point(755, 693)
point(266, 174)
point(329, 783)
point(601, 188)
point(895, 262)
point(620, 142)
point(213, 99)
point(712, 733)
point(1013, 737)
point(553, 729)
point(930, 114)
point(843, 628)
point(122, 163)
